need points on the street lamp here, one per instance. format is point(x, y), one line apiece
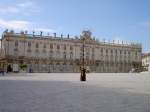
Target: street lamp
point(83, 70)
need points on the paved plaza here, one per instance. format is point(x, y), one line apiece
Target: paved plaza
point(56, 92)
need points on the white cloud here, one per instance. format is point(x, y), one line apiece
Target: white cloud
point(25, 4)
point(14, 24)
point(27, 7)
point(9, 10)
point(44, 29)
point(22, 25)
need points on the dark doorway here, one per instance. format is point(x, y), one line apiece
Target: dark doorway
point(9, 69)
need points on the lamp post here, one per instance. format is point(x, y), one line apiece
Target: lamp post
point(7, 54)
point(83, 70)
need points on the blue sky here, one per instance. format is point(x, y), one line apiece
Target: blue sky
point(127, 20)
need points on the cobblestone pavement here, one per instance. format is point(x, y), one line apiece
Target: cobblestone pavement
point(56, 92)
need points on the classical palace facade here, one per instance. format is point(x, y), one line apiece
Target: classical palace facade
point(64, 54)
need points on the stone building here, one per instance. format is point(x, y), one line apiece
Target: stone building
point(63, 54)
point(146, 61)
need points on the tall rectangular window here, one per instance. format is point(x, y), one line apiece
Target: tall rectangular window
point(51, 46)
point(64, 55)
point(71, 48)
point(71, 55)
point(37, 45)
point(16, 43)
point(44, 46)
point(58, 46)
point(64, 47)
point(102, 50)
point(29, 44)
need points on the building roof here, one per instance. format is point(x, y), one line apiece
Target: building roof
point(87, 34)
